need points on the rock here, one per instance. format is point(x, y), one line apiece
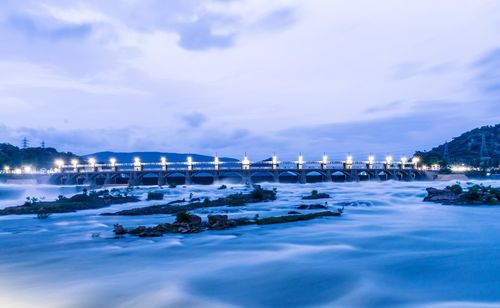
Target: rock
point(312, 207)
point(222, 187)
point(155, 196)
point(119, 229)
point(315, 195)
point(440, 195)
point(218, 221)
point(293, 213)
point(195, 220)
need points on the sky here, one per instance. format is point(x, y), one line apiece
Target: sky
point(255, 76)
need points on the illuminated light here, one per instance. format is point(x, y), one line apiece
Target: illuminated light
point(18, 171)
point(6, 169)
point(74, 162)
point(245, 160)
point(163, 161)
point(404, 159)
point(301, 159)
point(112, 161)
point(59, 163)
point(27, 169)
point(388, 159)
point(460, 168)
point(415, 160)
point(137, 160)
point(216, 160)
point(325, 159)
point(371, 159)
point(275, 159)
point(349, 160)
point(92, 162)
point(190, 160)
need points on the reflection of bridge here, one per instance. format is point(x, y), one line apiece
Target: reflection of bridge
point(190, 172)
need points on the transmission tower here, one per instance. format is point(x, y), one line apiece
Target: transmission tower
point(43, 144)
point(446, 153)
point(25, 143)
point(484, 156)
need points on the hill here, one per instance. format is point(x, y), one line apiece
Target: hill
point(152, 157)
point(15, 157)
point(468, 149)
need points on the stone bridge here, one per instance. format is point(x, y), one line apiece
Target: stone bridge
point(187, 177)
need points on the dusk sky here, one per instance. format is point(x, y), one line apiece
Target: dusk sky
point(254, 76)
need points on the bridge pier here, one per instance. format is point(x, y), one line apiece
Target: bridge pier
point(328, 176)
point(302, 177)
point(162, 176)
point(276, 176)
point(188, 178)
point(246, 178)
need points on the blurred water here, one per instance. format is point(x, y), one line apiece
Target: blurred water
point(389, 250)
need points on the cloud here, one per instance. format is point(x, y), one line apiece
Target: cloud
point(55, 31)
point(195, 119)
point(488, 67)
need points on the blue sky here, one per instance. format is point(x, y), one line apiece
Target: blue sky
point(256, 76)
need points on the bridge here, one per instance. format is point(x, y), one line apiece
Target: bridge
point(244, 171)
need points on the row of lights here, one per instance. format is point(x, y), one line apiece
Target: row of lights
point(137, 161)
point(59, 163)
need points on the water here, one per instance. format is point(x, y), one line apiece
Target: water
point(390, 250)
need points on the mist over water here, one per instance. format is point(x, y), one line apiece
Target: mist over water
point(388, 249)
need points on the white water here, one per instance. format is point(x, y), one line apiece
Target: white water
point(396, 251)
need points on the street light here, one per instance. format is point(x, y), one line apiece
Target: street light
point(388, 159)
point(371, 159)
point(59, 164)
point(6, 169)
point(246, 162)
point(216, 162)
point(112, 161)
point(92, 162)
point(27, 169)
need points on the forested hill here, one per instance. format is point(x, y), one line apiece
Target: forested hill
point(466, 148)
point(14, 157)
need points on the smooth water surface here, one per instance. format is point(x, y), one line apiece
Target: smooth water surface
point(388, 249)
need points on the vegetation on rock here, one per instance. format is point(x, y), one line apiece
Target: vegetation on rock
point(257, 195)
point(456, 195)
point(83, 201)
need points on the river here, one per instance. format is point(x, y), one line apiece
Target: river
point(389, 249)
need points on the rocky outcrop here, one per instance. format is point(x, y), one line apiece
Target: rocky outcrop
point(316, 195)
point(312, 207)
point(84, 201)
point(456, 195)
point(257, 195)
point(187, 223)
point(440, 195)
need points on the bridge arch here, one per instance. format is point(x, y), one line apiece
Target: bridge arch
point(339, 176)
point(364, 176)
point(262, 176)
point(176, 178)
point(149, 178)
point(315, 176)
point(99, 179)
point(203, 177)
point(289, 177)
point(231, 177)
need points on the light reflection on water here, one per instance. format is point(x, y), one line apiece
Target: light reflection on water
point(390, 250)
